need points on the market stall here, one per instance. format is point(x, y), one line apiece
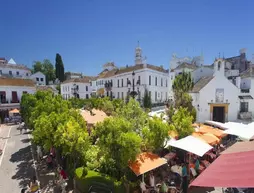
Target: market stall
point(233, 168)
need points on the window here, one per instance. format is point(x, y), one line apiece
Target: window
point(139, 80)
point(150, 94)
point(37, 79)
point(171, 77)
point(155, 95)
point(219, 64)
point(150, 80)
point(86, 88)
point(127, 81)
point(14, 97)
point(118, 95)
point(26, 74)
point(111, 83)
point(77, 87)
point(166, 83)
point(166, 96)
point(87, 96)
point(41, 79)
point(118, 83)
point(1, 72)
point(96, 83)
point(122, 82)
point(24, 92)
point(122, 96)
point(155, 81)
point(179, 73)
point(244, 107)
point(161, 82)
point(10, 72)
point(17, 73)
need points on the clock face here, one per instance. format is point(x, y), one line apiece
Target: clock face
point(219, 95)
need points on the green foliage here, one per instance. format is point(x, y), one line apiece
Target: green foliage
point(133, 113)
point(183, 83)
point(182, 122)
point(107, 107)
point(147, 102)
point(119, 143)
point(46, 68)
point(28, 102)
point(155, 134)
point(81, 172)
point(59, 68)
point(95, 178)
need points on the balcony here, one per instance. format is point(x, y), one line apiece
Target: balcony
point(14, 101)
point(232, 73)
point(245, 90)
point(245, 115)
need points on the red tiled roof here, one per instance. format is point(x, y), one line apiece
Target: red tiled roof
point(16, 82)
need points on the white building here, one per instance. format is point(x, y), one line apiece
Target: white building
point(215, 97)
point(122, 83)
point(77, 87)
point(72, 75)
point(39, 78)
point(11, 69)
point(11, 91)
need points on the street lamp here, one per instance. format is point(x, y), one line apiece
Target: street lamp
point(108, 86)
point(133, 93)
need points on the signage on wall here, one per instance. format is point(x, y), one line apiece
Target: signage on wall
point(219, 95)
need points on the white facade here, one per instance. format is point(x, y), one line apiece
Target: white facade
point(11, 91)
point(79, 88)
point(39, 78)
point(218, 92)
point(12, 69)
point(155, 82)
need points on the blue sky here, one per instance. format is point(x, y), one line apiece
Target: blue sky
point(88, 33)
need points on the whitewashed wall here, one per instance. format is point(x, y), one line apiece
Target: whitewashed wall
point(66, 90)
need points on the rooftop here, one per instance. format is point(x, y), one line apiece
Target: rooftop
point(16, 82)
point(201, 83)
point(80, 80)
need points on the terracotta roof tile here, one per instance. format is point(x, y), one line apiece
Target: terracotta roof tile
point(141, 66)
point(201, 83)
point(108, 73)
point(81, 80)
point(15, 66)
point(16, 82)
point(186, 65)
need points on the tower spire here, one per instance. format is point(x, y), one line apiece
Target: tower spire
point(138, 55)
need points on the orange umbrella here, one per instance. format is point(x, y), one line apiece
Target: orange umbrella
point(14, 111)
point(207, 129)
point(146, 162)
point(208, 138)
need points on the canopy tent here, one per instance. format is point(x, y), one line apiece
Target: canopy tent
point(234, 168)
point(244, 132)
point(207, 138)
point(234, 125)
point(191, 144)
point(146, 162)
point(216, 124)
point(14, 111)
point(207, 129)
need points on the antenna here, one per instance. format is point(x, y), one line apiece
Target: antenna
point(219, 54)
point(138, 43)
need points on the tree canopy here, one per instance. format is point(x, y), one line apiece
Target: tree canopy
point(147, 102)
point(59, 66)
point(46, 68)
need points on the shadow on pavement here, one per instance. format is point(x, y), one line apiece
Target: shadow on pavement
point(25, 170)
point(26, 140)
point(202, 190)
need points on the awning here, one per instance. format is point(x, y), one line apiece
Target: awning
point(192, 145)
point(207, 138)
point(216, 124)
point(245, 97)
point(244, 132)
point(230, 169)
point(146, 162)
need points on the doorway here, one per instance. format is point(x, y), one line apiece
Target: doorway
point(219, 114)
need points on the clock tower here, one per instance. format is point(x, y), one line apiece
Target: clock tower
point(138, 55)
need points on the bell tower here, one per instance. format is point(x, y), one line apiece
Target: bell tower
point(138, 55)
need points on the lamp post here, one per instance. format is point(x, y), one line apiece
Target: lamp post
point(108, 86)
point(133, 93)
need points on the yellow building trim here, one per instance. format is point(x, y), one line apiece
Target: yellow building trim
point(219, 105)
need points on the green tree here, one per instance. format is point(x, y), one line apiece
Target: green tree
point(46, 68)
point(147, 102)
point(27, 104)
point(59, 66)
point(108, 107)
point(182, 122)
point(119, 144)
point(183, 83)
point(134, 114)
point(155, 134)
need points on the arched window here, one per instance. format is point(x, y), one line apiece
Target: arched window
point(219, 65)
